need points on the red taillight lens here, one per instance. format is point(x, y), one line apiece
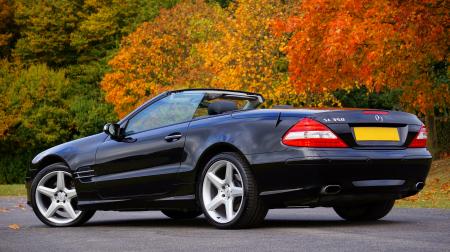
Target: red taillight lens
point(420, 141)
point(311, 133)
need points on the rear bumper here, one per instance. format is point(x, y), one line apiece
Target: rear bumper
point(297, 176)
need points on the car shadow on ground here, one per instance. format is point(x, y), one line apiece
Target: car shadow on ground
point(304, 223)
point(201, 222)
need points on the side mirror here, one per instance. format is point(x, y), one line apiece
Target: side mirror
point(113, 129)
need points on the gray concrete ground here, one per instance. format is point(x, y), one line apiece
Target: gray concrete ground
point(317, 229)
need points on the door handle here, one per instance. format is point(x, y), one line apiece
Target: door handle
point(173, 137)
point(129, 140)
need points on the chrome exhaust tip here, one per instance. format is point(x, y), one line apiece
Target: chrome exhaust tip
point(331, 189)
point(419, 186)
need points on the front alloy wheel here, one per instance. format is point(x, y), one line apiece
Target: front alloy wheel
point(54, 198)
point(228, 193)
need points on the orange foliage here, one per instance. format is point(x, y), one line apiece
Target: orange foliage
point(394, 44)
point(435, 194)
point(247, 57)
point(161, 55)
point(200, 45)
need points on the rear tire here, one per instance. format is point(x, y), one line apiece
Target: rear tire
point(179, 214)
point(365, 212)
point(239, 188)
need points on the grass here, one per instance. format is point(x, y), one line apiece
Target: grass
point(435, 195)
point(13, 190)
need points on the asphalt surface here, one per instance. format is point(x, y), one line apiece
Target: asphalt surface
point(318, 229)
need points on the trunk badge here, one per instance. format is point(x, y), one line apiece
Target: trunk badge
point(379, 118)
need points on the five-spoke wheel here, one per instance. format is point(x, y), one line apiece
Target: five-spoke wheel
point(228, 193)
point(223, 196)
point(55, 198)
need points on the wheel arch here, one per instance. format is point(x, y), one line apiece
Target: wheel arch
point(46, 161)
point(213, 150)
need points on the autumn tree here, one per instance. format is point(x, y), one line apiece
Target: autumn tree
point(37, 97)
point(49, 92)
point(379, 44)
point(162, 55)
point(8, 115)
point(34, 114)
point(199, 45)
point(46, 27)
point(248, 55)
point(103, 23)
point(6, 27)
point(66, 32)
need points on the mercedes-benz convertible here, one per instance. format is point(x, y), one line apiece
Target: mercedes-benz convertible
point(214, 152)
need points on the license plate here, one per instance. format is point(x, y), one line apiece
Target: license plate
point(376, 134)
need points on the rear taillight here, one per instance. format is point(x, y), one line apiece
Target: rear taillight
point(420, 141)
point(311, 133)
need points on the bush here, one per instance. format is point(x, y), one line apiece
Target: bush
point(360, 97)
point(13, 167)
point(45, 108)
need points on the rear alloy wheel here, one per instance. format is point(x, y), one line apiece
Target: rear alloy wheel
point(54, 198)
point(228, 193)
point(365, 212)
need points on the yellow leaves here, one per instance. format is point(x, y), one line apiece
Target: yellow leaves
point(437, 188)
point(5, 39)
point(290, 52)
point(445, 187)
point(432, 189)
point(247, 55)
point(14, 226)
point(160, 55)
point(21, 206)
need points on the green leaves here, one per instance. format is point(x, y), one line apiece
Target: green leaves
point(41, 107)
point(50, 94)
point(65, 32)
point(46, 28)
point(37, 100)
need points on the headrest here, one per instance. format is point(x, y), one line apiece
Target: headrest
point(220, 107)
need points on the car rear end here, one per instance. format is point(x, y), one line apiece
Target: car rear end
point(336, 157)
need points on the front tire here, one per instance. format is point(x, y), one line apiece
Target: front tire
point(365, 212)
point(228, 193)
point(54, 198)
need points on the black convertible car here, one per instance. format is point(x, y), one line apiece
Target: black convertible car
point(212, 152)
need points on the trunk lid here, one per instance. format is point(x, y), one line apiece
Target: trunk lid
point(371, 128)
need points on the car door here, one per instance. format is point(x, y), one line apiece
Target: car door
point(146, 160)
